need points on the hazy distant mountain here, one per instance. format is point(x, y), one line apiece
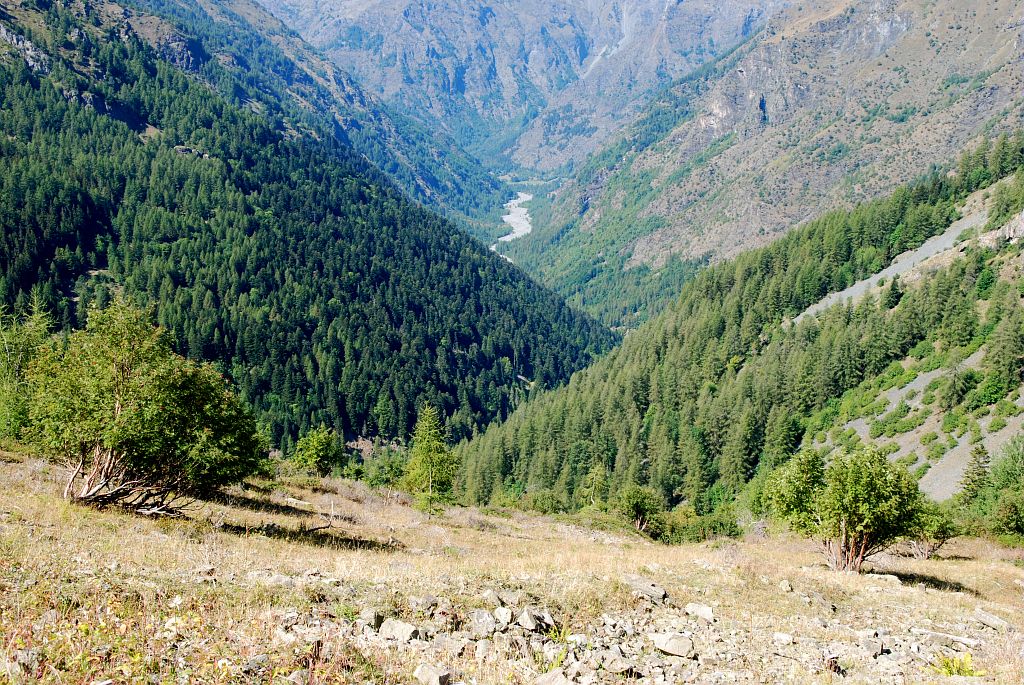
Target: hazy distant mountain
point(833, 102)
point(542, 81)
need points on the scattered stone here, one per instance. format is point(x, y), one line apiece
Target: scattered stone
point(702, 611)
point(874, 647)
point(782, 638)
point(492, 598)
point(946, 638)
point(532, 620)
point(510, 598)
point(785, 586)
point(393, 629)
point(426, 674)
point(372, 618)
point(674, 644)
point(618, 665)
point(991, 620)
point(423, 604)
point(483, 650)
point(552, 678)
point(884, 577)
point(482, 624)
point(503, 615)
point(300, 677)
point(27, 659)
point(646, 588)
point(256, 664)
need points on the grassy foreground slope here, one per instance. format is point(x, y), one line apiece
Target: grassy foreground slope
point(246, 591)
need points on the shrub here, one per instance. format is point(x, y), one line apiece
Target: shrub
point(139, 426)
point(857, 507)
point(20, 341)
point(641, 505)
point(936, 527)
point(684, 524)
point(318, 451)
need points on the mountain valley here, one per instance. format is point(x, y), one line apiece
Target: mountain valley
point(452, 342)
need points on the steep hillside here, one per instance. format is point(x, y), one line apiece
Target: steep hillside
point(284, 74)
point(832, 103)
point(261, 241)
point(720, 388)
point(540, 81)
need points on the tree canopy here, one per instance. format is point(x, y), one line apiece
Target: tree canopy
point(137, 425)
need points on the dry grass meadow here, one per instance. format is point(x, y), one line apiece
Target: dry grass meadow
point(101, 597)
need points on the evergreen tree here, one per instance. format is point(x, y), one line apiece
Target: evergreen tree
point(976, 475)
point(430, 472)
point(893, 294)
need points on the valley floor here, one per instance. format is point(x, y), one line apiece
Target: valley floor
point(250, 590)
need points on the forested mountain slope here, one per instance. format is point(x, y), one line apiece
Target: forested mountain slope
point(262, 241)
point(834, 102)
point(718, 388)
point(541, 82)
point(281, 73)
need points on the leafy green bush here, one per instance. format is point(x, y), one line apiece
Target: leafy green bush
point(857, 507)
point(20, 341)
point(318, 451)
point(683, 524)
point(936, 527)
point(641, 505)
point(139, 426)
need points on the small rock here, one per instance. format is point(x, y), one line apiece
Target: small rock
point(393, 629)
point(492, 598)
point(423, 604)
point(552, 678)
point(481, 624)
point(782, 638)
point(483, 650)
point(785, 586)
point(27, 660)
point(300, 677)
point(874, 647)
point(256, 664)
point(372, 618)
point(530, 620)
point(618, 665)
point(432, 675)
point(510, 598)
point(991, 620)
point(503, 615)
point(674, 644)
point(553, 651)
point(702, 611)
point(884, 577)
point(645, 587)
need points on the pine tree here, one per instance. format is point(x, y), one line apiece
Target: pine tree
point(431, 470)
point(893, 294)
point(976, 476)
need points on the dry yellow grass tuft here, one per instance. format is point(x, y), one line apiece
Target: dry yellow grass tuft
point(254, 589)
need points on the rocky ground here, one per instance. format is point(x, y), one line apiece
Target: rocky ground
point(323, 582)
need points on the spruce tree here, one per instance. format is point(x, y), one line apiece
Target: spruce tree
point(976, 476)
point(430, 473)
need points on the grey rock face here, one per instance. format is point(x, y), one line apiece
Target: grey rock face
point(575, 68)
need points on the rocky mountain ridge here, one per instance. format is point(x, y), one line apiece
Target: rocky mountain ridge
point(542, 82)
point(832, 103)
